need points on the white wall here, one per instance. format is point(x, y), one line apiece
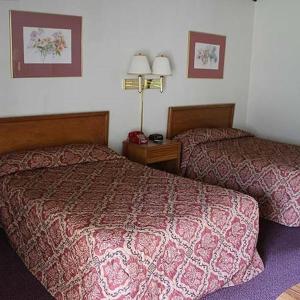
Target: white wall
point(115, 30)
point(274, 97)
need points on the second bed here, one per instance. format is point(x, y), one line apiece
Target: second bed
point(213, 152)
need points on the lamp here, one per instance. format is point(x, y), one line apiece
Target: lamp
point(161, 66)
point(140, 66)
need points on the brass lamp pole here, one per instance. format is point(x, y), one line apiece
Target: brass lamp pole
point(142, 108)
point(140, 66)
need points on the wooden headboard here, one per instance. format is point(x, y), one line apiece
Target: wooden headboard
point(182, 118)
point(20, 133)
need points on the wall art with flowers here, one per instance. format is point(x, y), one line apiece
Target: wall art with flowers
point(45, 45)
point(206, 55)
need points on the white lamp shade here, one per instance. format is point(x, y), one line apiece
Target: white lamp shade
point(139, 65)
point(161, 66)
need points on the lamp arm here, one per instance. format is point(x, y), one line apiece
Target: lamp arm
point(161, 79)
point(140, 87)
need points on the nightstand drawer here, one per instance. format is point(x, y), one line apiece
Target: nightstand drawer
point(162, 153)
point(165, 156)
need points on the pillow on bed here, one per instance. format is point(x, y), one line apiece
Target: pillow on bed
point(205, 135)
point(193, 137)
point(54, 157)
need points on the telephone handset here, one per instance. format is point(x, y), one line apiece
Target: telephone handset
point(137, 137)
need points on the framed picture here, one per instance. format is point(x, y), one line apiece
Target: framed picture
point(206, 55)
point(45, 45)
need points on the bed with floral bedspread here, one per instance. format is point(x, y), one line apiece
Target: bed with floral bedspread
point(266, 170)
point(89, 224)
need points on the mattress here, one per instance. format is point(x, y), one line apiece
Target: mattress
point(266, 170)
point(90, 224)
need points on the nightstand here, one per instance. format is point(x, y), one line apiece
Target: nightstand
point(164, 156)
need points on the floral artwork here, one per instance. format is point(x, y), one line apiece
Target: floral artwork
point(206, 56)
point(47, 45)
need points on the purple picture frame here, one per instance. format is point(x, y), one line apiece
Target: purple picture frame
point(218, 41)
point(21, 19)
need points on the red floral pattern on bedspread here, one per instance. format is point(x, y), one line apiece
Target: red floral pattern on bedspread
point(114, 229)
point(53, 157)
point(266, 170)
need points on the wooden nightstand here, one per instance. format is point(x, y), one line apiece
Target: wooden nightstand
point(165, 156)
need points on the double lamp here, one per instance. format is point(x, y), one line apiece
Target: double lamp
point(140, 66)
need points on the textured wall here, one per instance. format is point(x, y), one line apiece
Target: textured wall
point(274, 97)
point(115, 30)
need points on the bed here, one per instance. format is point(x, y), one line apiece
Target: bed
point(90, 224)
point(215, 153)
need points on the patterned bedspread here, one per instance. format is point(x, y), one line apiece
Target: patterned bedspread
point(90, 224)
point(231, 158)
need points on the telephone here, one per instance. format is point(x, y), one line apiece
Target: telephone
point(137, 137)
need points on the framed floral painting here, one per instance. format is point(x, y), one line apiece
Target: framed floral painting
point(206, 55)
point(45, 45)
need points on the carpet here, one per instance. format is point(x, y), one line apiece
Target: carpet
point(16, 282)
point(279, 247)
